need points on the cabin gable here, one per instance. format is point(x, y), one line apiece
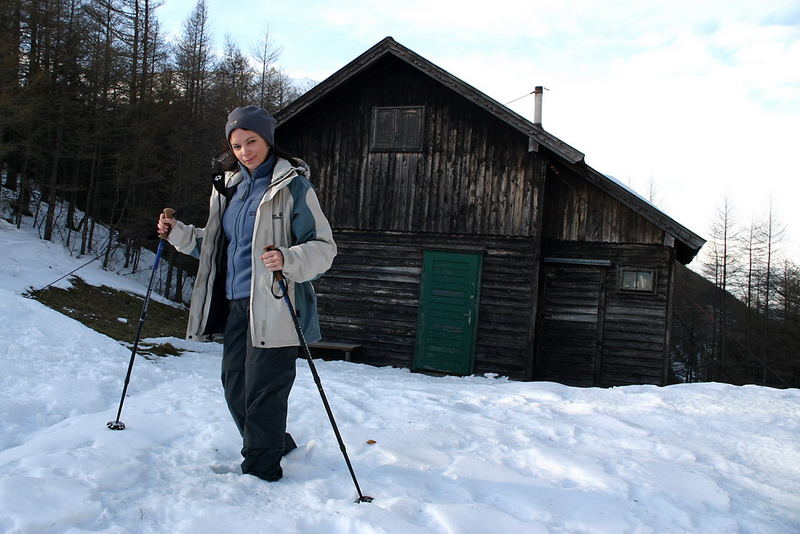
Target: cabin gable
point(577, 210)
point(472, 175)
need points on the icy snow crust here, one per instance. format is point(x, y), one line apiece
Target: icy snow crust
point(471, 455)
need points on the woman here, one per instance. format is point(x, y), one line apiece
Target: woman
point(268, 201)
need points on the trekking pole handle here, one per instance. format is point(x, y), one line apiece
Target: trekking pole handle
point(169, 213)
point(277, 274)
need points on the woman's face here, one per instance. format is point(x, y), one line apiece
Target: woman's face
point(249, 148)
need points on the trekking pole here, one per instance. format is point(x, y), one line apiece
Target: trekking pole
point(307, 353)
point(116, 424)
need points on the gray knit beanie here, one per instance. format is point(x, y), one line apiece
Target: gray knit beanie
point(251, 118)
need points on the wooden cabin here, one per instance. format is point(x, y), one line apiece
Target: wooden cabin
point(471, 240)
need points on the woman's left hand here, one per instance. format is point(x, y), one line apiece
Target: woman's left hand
point(273, 260)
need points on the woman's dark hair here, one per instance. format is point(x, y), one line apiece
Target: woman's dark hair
point(278, 151)
point(224, 161)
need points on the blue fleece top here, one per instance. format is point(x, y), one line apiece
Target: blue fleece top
point(239, 221)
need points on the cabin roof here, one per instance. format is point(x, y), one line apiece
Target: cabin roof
point(687, 242)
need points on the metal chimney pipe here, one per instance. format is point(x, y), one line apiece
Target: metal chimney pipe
point(537, 109)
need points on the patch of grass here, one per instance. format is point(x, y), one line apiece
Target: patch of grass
point(149, 350)
point(116, 314)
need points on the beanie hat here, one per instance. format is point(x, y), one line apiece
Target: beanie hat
point(251, 118)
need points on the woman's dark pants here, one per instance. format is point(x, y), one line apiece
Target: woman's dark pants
point(257, 383)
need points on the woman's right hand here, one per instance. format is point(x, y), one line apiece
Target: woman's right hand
point(165, 226)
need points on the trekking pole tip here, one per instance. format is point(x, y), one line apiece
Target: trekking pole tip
point(115, 425)
point(364, 498)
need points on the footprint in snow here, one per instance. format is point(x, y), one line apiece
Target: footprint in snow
point(303, 452)
point(224, 469)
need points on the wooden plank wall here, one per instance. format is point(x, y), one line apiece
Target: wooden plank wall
point(572, 319)
point(575, 210)
point(473, 176)
point(634, 338)
point(371, 297)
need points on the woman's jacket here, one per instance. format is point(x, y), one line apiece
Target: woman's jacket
point(290, 218)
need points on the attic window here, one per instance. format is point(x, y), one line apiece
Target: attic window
point(397, 129)
point(635, 279)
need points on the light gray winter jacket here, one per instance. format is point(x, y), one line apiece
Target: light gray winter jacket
point(289, 216)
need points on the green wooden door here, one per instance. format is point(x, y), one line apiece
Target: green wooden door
point(448, 312)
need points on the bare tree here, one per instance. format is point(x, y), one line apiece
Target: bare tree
point(233, 78)
point(653, 194)
point(722, 266)
point(193, 59)
point(772, 234)
point(266, 54)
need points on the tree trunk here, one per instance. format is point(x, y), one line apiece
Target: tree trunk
point(107, 253)
point(52, 199)
point(91, 236)
point(137, 254)
point(179, 285)
point(128, 252)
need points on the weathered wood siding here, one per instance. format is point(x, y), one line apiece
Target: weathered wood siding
point(571, 323)
point(474, 174)
point(371, 297)
point(575, 210)
point(629, 329)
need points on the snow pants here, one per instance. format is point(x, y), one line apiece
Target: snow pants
point(257, 383)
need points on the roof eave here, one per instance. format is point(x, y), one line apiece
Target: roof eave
point(691, 241)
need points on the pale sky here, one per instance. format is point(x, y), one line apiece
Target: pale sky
point(699, 98)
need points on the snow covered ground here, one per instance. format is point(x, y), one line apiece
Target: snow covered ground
point(471, 455)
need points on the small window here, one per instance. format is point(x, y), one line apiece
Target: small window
point(637, 279)
point(397, 129)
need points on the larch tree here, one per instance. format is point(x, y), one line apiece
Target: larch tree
point(771, 235)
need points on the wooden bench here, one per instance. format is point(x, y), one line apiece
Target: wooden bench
point(347, 348)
